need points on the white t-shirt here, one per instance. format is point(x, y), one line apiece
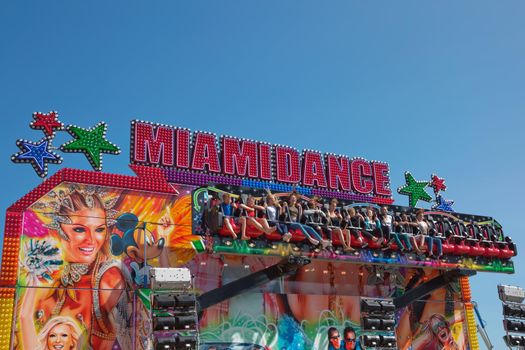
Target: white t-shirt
point(272, 213)
point(386, 221)
point(423, 227)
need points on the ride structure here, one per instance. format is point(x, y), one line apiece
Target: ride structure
point(354, 272)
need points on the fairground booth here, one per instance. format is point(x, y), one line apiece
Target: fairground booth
point(227, 243)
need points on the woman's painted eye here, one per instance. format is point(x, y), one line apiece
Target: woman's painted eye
point(79, 229)
point(64, 335)
point(100, 229)
point(52, 336)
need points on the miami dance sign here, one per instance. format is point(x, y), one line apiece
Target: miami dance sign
point(203, 157)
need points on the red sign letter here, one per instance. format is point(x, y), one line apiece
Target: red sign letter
point(265, 161)
point(183, 148)
point(239, 155)
point(338, 172)
point(205, 153)
point(360, 169)
point(381, 179)
point(313, 169)
point(288, 168)
point(152, 141)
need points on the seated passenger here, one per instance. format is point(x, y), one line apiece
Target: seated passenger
point(260, 224)
point(402, 232)
point(313, 217)
point(423, 236)
point(334, 221)
point(386, 223)
point(227, 209)
point(357, 223)
point(273, 211)
point(293, 212)
point(373, 225)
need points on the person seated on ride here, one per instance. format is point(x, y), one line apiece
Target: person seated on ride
point(402, 232)
point(313, 217)
point(386, 223)
point(356, 224)
point(260, 224)
point(373, 225)
point(293, 213)
point(228, 208)
point(273, 211)
point(334, 222)
point(423, 235)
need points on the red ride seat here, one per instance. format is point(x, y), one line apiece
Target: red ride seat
point(476, 250)
point(372, 244)
point(448, 248)
point(492, 252)
point(336, 241)
point(224, 232)
point(355, 243)
point(297, 236)
point(461, 249)
point(252, 232)
point(506, 253)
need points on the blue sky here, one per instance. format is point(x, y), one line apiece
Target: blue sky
point(430, 87)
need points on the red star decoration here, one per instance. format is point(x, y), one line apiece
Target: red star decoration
point(47, 122)
point(438, 184)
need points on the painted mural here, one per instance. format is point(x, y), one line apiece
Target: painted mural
point(84, 249)
point(298, 311)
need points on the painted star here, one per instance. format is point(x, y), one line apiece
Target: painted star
point(47, 122)
point(443, 204)
point(36, 153)
point(92, 142)
point(437, 183)
point(415, 190)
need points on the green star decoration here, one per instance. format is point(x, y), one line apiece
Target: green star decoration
point(92, 142)
point(415, 190)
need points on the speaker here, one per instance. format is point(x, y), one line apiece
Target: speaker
point(387, 306)
point(371, 340)
point(513, 340)
point(171, 300)
point(388, 341)
point(388, 324)
point(514, 326)
point(371, 306)
point(371, 323)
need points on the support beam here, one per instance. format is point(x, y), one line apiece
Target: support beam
point(428, 287)
point(287, 266)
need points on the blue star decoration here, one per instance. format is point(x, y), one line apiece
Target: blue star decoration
point(443, 204)
point(36, 153)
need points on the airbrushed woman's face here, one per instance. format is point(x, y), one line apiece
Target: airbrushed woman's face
point(59, 338)
point(87, 233)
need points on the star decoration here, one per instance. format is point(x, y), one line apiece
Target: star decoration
point(36, 153)
point(415, 190)
point(92, 142)
point(437, 183)
point(443, 204)
point(47, 122)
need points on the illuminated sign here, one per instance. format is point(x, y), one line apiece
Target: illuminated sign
point(177, 148)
